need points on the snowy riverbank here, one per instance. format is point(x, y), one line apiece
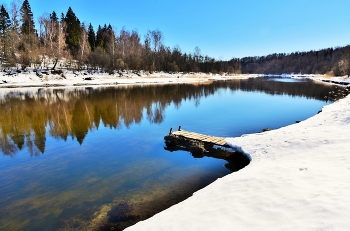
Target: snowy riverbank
point(14, 79)
point(297, 180)
point(68, 79)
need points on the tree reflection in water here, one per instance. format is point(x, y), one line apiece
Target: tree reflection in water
point(27, 116)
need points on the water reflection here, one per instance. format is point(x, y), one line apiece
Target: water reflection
point(27, 117)
point(235, 160)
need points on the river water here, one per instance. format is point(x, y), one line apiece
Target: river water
point(94, 158)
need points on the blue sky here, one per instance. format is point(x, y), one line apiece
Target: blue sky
point(222, 29)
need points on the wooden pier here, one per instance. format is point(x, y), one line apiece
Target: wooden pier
point(203, 145)
point(195, 142)
point(200, 137)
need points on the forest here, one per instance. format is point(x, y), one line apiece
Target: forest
point(62, 41)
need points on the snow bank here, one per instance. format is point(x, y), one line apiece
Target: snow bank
point(69, 78)
point(297, 180)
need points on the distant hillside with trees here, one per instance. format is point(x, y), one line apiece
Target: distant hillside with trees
point(332, 61)
point(65, 42)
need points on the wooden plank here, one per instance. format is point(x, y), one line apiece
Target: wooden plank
point(201, 137)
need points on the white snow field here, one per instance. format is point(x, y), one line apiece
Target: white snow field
point(70, 78)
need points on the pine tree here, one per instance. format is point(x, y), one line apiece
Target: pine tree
point(28, 45)
point(105, 38)
point(5, 25)
point(73, 31)
point(54, 20)
point(99, 37)
point(27, 18)
point(91, 37)
point(5, 22)
point(53, 17)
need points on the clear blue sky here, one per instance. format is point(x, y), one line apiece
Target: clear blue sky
point(223, 29)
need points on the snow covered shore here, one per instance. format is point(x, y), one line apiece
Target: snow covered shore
point(68, 79)
point(297, 180)
point(21, 79)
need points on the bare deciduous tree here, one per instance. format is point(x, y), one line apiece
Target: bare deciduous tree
point(84, 47)
point(53, 38)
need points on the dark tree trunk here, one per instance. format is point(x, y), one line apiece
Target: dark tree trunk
point(54, 66)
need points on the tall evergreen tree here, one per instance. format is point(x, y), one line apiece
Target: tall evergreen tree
point(108, 38)
point(91, 37)
point(53, 17)
point(73, 31)
point(5, 22)
point(99, 36)
point(28, 36)
point(55, 25)
point(5, 25)
point(62, 17)
point(28, 26)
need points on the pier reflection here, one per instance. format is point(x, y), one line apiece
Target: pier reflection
point(235, 160)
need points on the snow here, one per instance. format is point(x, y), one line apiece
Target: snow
point(31, 79)
point(297, 178)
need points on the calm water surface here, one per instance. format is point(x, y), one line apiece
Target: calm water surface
point(94, 158)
